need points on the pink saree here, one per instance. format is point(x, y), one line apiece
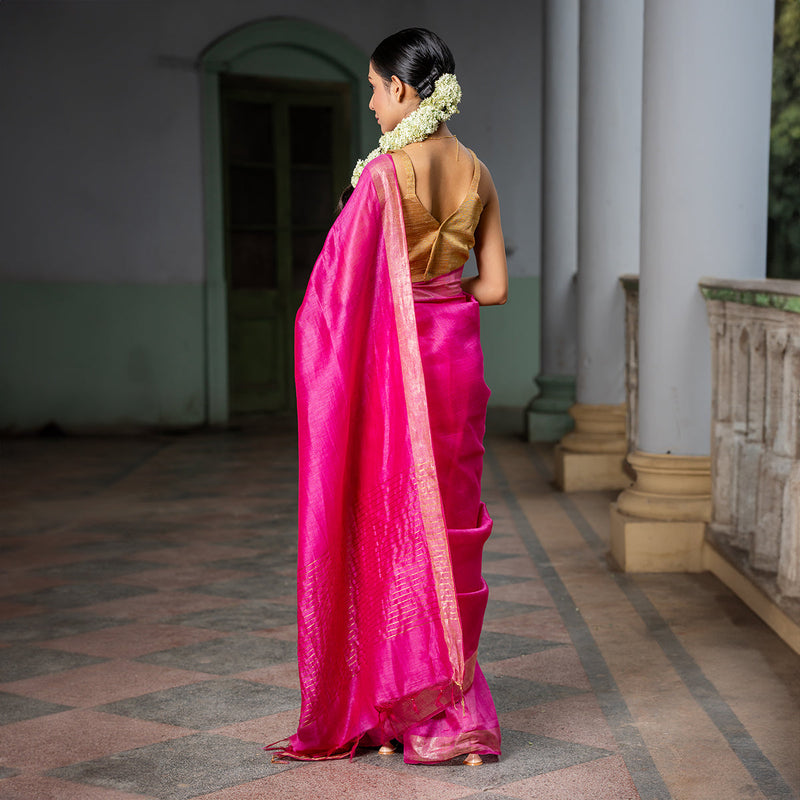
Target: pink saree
point(391, 409)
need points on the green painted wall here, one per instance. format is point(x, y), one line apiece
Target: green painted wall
point(95, 355)
point(82, 348)
point(92, 355)
point(510, 339)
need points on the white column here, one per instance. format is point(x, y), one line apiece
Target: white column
point(559, 186)
point(705, 155)
point(706, 118)
point(609, 169)
point(547, 417)
point(609, 177)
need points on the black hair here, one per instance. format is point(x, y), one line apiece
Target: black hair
point(343, 198)
point(416, 55)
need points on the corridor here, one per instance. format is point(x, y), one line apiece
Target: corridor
point(147, 641)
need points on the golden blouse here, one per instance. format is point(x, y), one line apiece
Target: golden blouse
point(436, 248)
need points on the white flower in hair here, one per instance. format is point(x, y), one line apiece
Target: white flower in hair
point(420, 123)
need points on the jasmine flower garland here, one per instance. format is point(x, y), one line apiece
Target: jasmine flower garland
point(420, 123)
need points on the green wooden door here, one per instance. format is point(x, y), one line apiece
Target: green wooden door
point(286, 147)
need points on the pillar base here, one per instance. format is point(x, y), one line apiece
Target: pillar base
point(659, 523)
point(652, 545)
point(540, 427)
point(592, 457)
point(547, 416)
point(589, 472)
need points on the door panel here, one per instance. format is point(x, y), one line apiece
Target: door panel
point(257, 346)
point(286, 157)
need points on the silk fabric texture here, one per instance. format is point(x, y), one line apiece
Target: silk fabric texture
point(391, 413)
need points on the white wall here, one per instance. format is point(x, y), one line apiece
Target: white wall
point(100, 135)
point(101, 192)
point(99, 148)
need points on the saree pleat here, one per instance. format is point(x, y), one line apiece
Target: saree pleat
point(448, 325)
point(382, 644)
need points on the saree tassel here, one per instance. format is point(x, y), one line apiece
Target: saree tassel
point(279, 752)
point(355, 747)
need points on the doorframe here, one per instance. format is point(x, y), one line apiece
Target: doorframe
point(247, 51)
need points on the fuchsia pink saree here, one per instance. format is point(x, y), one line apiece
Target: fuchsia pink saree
point(391, 410)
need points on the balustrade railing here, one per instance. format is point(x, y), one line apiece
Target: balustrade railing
point(755, 449)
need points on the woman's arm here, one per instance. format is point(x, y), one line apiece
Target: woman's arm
point(490, 286)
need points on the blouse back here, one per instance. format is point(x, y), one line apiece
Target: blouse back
point(436, 248)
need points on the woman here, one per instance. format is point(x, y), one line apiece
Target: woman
point(391, 412)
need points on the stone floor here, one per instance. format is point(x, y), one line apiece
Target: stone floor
point(147, 641)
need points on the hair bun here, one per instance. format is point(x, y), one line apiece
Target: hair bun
point(415, 55)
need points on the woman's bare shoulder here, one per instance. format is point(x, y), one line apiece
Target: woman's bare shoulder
point(486, 188)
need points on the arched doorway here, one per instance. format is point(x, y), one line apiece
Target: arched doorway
point(284, 114)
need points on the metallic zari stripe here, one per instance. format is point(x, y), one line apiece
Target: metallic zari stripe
point(419, 421)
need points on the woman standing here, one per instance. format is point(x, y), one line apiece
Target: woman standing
point(391, 412)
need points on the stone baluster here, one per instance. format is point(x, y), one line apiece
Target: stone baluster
point(630, 285)
point(723, 445)
point(789, 564)
point(750, 425)
point(776, 460)
point(787, 442)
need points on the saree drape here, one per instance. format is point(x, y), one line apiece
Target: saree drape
point(381, 639)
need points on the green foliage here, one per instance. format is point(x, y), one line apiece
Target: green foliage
point(784, 190)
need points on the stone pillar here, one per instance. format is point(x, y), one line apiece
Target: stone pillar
point(609, 176)
point(547, 417)
point(705, 151)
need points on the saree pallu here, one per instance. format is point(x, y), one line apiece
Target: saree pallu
point(386, 630)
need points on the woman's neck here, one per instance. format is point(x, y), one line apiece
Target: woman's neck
point(442, 132)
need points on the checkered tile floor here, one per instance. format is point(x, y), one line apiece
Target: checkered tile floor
point(147, 641)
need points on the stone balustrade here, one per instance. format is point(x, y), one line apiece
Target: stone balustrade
point(755, 448)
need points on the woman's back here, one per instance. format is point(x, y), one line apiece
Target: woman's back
point(439, 182)
point(443, 170)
